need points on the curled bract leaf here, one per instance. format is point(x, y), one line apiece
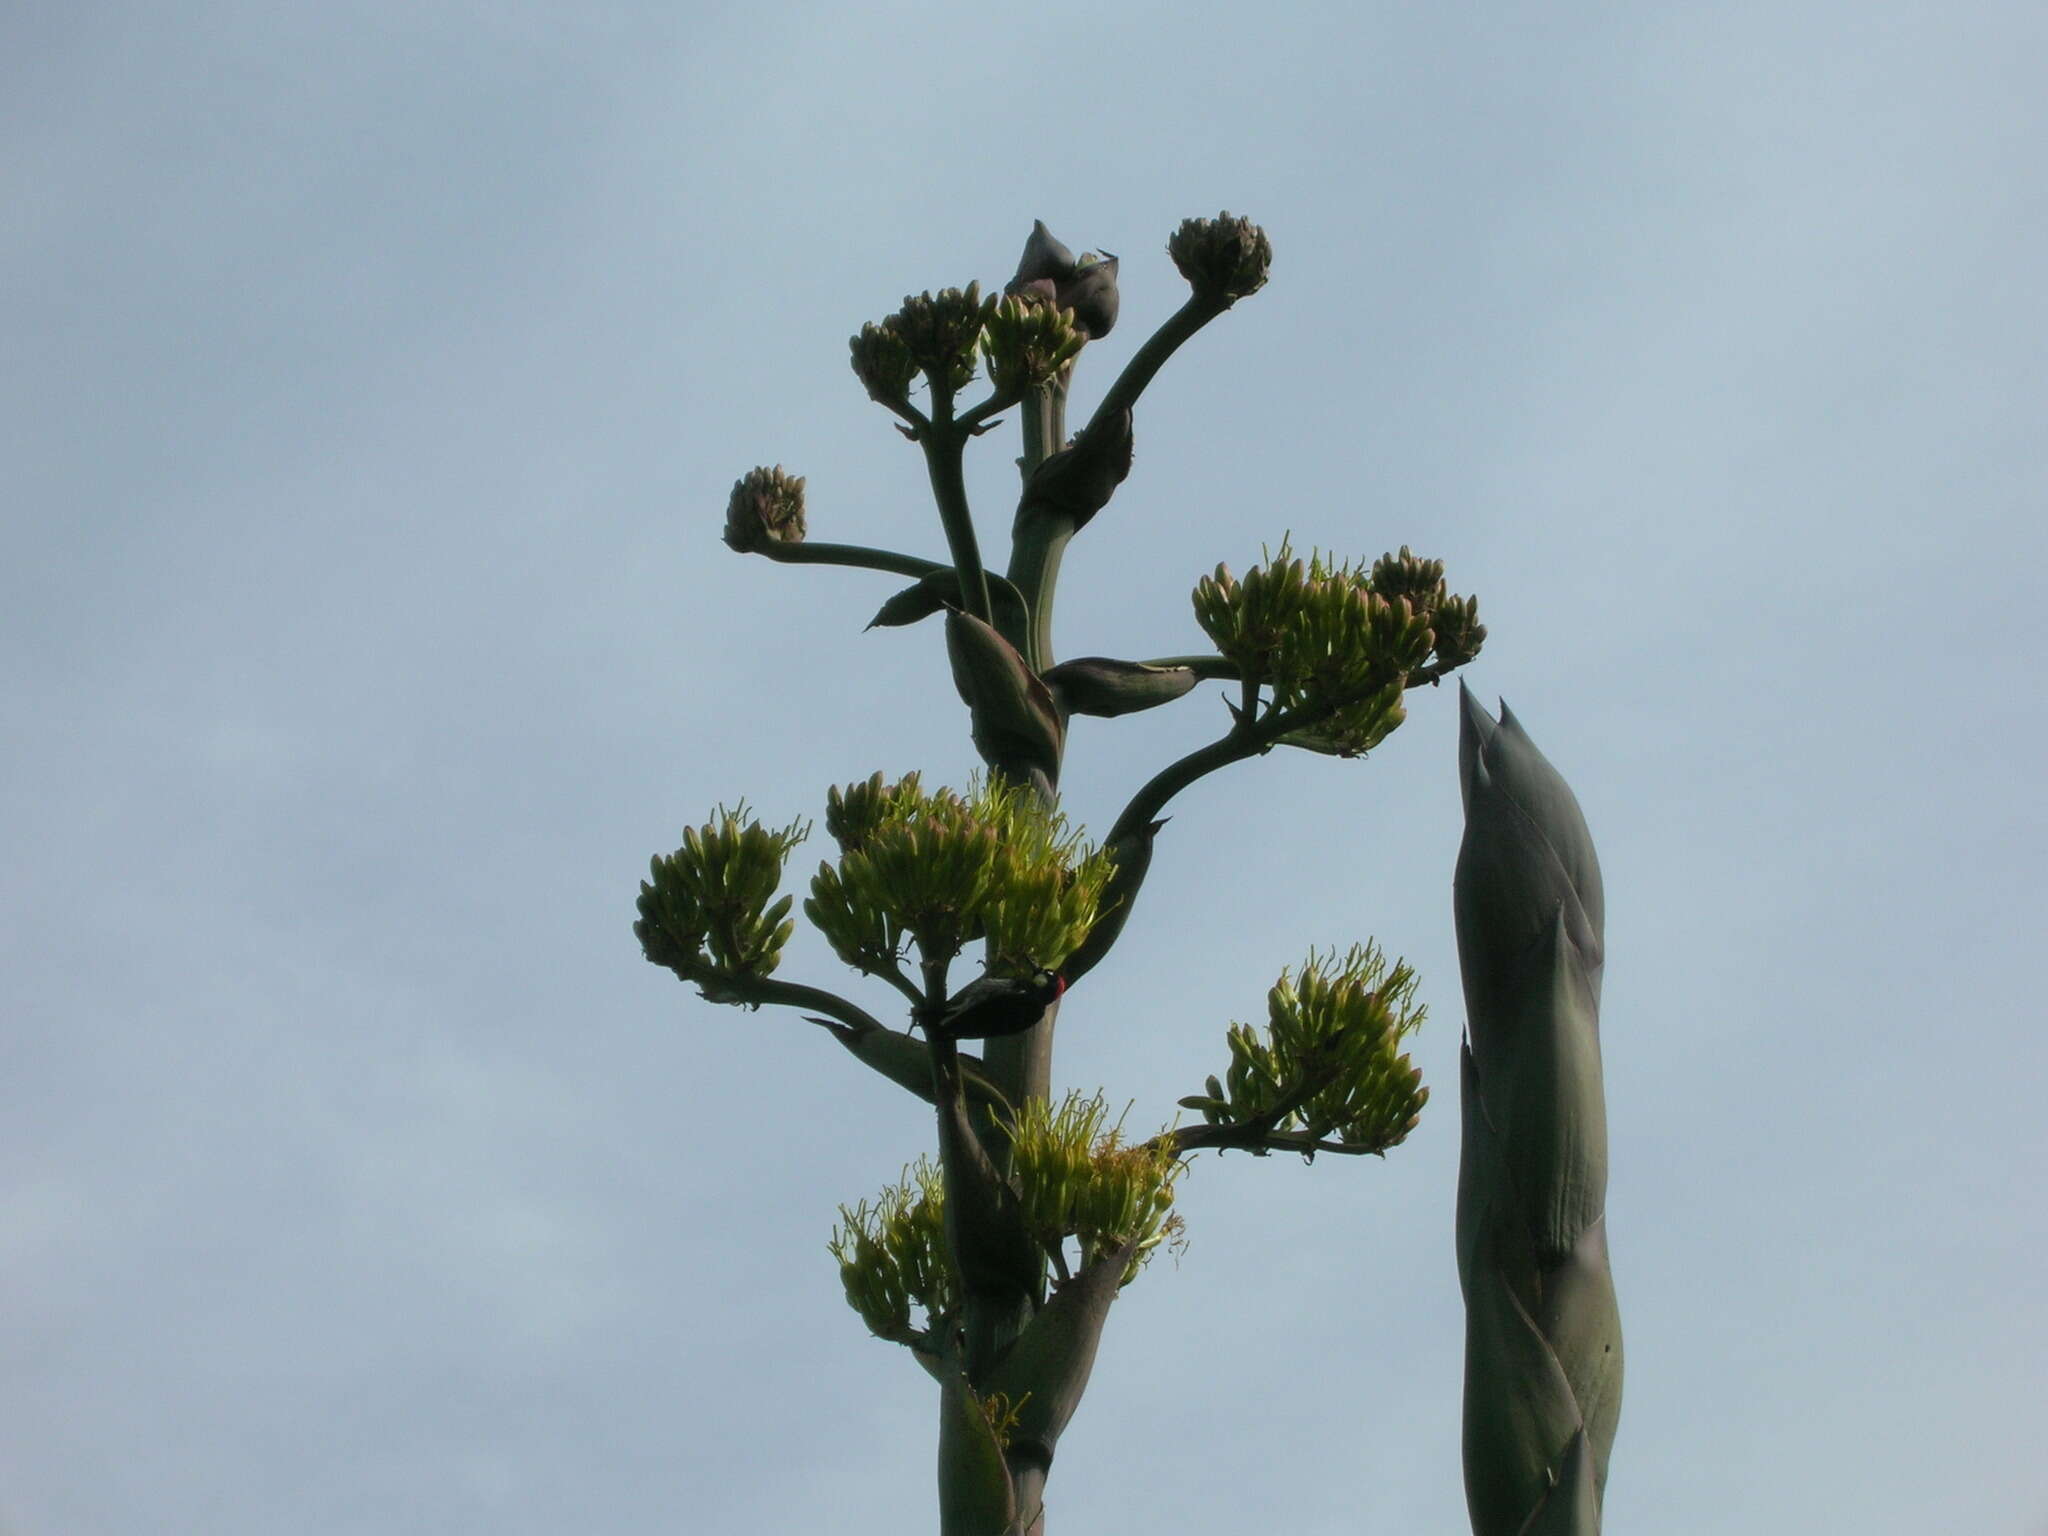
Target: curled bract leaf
point(906, 1061)
point(1015, 722)
point(1078, 481)
point(1099, 685)
point(1045, 1372)
point(938, 590)
point(766, 507)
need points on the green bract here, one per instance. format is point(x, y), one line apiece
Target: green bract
point(944, 870)
point(706, 912)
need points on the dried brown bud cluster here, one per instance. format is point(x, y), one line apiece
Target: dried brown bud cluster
point(942, 330)
point(1223, 259)
point(767, 507)
point(883, 364)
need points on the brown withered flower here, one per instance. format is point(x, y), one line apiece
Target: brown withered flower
point(766, 507)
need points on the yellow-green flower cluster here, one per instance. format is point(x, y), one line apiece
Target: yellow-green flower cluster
point(1331, 1051)
point(1003, 1415)
point(944, 870)
point(853, 812)
point(1078, 1178)
point(709, 911)
point(1029, 339)
point(1315, 633)
point(892, 1256)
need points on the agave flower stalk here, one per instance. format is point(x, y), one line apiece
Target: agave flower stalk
point(997, 1262)
point(1543, 1334)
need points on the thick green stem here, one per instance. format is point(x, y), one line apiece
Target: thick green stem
point(1152, 356)
point(1248, 738)
point(944, 448)
point(1040, 541)
point(1207, 668)
point(1222, 668)
point(1037, 543)
point(859, 555)
point(1042, 419)
point(1035, 553)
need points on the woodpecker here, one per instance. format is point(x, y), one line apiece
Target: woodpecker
point(995, 1005)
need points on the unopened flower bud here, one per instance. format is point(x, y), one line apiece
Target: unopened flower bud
point(1459, 634)
point(883, 364)
point(1045, 260)
point(767, 507)
point(1223, 259)
point(1409, 575)
point(1091, 294)
point(1028, 341)
point(1087, 286)
point(941, 331)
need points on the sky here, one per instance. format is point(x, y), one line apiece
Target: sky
point(374, 378)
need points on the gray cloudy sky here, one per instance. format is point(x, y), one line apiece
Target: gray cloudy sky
point(374, 375)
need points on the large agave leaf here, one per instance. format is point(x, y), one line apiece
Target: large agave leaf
point(907, 1061)
point(1132, 856)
